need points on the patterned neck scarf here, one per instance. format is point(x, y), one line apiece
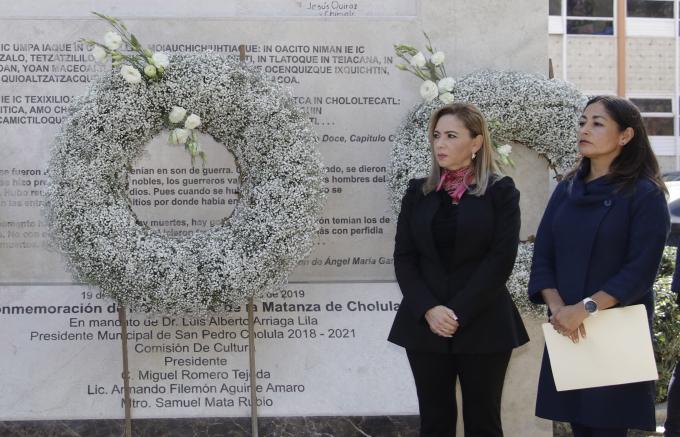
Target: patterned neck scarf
point(455, 182)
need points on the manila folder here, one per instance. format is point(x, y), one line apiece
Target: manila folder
point(617, 350)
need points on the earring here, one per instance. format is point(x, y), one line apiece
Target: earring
point(474, 155)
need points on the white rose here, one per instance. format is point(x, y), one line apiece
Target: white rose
point(180, 136)
point(438, 58)
point(428, 90)
point(446, 84)
point(160, 59)
point(112, 40)
point(177, 114)
point(193, 121)
point(446, 98)
point(99, 54)
point(418, 60)
point(130, 74)
point(504, 150)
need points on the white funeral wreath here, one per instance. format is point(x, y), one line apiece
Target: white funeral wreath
point(251, 253)
point(523, 108)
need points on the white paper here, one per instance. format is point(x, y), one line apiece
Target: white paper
point(617, 350)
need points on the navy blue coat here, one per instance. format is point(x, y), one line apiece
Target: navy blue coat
point(593, 238)
point(473, 286)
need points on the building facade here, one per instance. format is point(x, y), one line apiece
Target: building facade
point(626, 47)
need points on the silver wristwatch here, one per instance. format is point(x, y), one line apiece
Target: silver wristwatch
point(590, 305)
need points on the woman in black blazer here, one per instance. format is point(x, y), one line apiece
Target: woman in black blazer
point(455, 248)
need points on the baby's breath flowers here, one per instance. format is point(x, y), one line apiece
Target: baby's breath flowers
point(518, 283)
point(251, 253)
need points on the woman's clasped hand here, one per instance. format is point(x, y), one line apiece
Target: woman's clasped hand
point(442, 321)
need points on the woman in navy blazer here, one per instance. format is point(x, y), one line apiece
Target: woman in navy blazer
point(599, 245)
point(455, 247)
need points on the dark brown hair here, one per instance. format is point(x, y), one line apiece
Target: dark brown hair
point(636, 160)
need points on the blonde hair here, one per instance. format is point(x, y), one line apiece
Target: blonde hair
point(484, 167)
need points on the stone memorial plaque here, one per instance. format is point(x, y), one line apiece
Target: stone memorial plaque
point(65, 347)
point(321, 351)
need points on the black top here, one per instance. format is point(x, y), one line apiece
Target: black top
point(469, 278)
point(444, 225)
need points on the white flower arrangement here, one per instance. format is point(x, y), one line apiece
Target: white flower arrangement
point(130, 74)
point(524, 108)
point(505, 150)
point(446, 85)
point(273, 226)
point(432, 71)
point(429, 90)
point(438, 58)
point(112, 40)
point(418, 60)
point(187, 134)
point(177, 114)
point(152, 66)
point(140, 63)
point(99, 53)
point(436, 84)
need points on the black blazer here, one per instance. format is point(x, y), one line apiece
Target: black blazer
point(473, 286)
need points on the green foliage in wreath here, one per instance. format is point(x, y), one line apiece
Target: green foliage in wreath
point(666, 324)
